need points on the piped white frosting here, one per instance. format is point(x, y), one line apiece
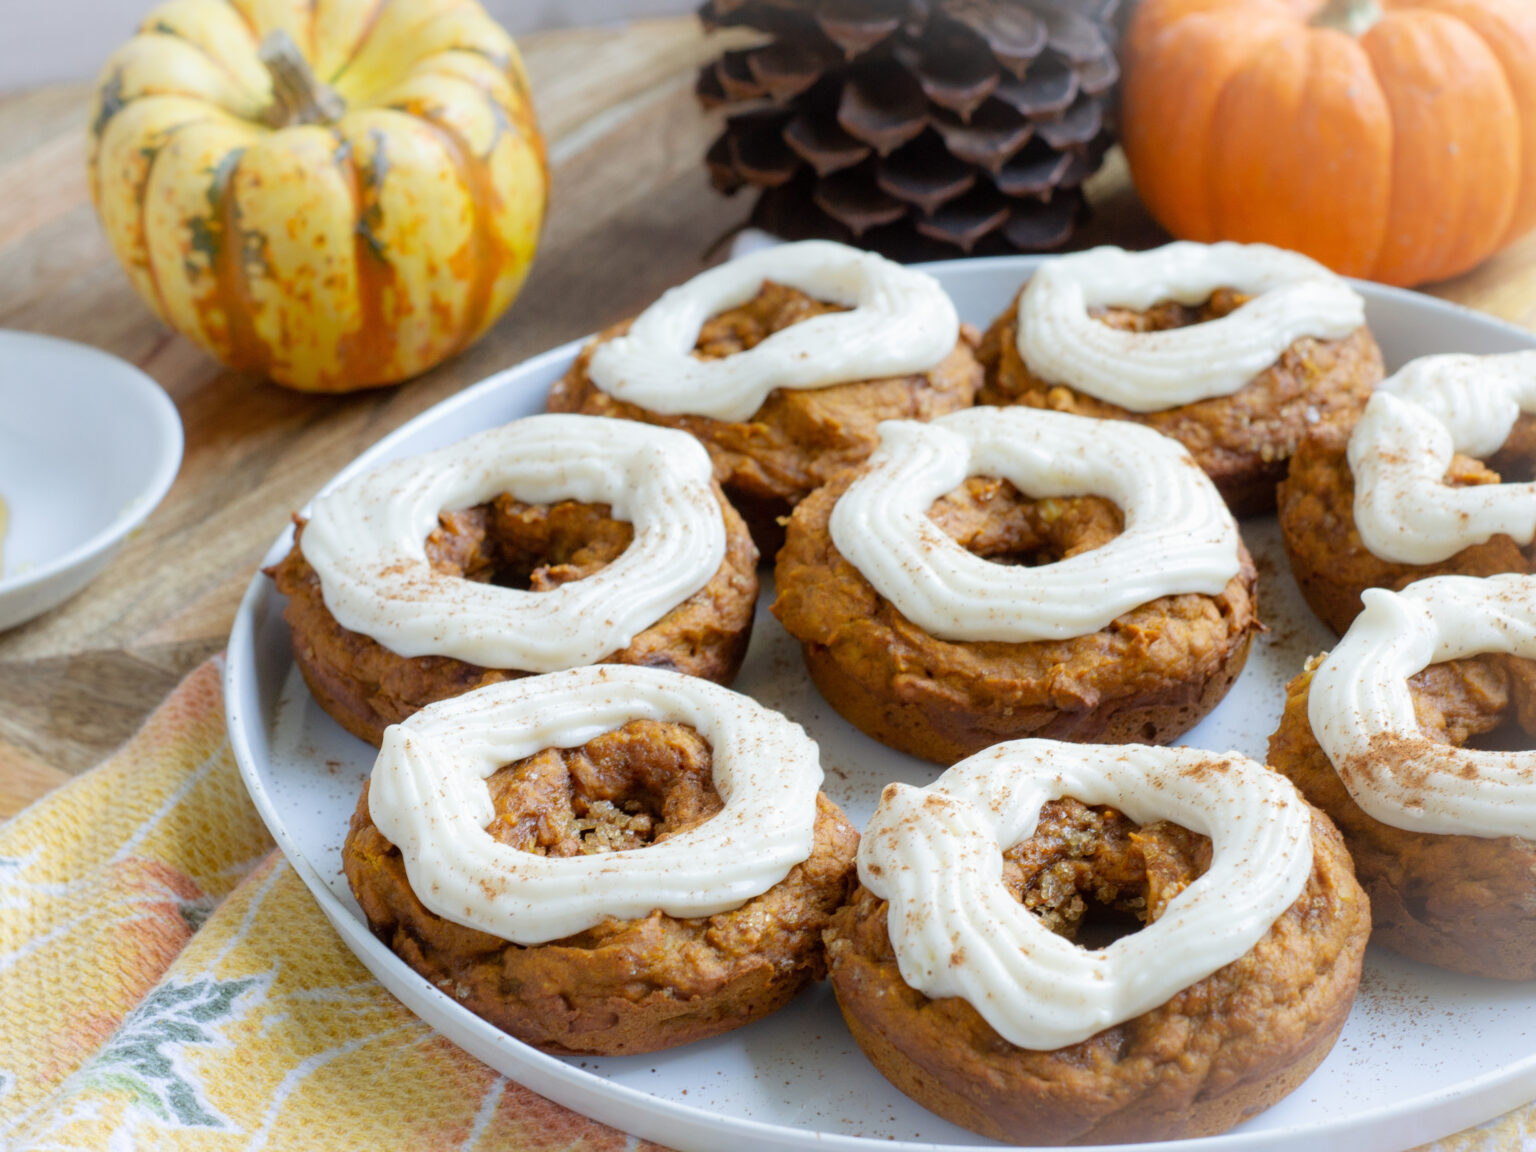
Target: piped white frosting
point(901, 323)
point(366, 539)
point(1360, 695)
point(1399, 451)
point(1152, 371)
point(1178, 537)
point(428, 796)
point(935, 854)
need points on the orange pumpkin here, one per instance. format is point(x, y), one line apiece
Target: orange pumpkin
point(332, 193)
point(1390, 139)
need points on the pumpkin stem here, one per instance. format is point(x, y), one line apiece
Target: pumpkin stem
point(1352, 16)
point(298, 97)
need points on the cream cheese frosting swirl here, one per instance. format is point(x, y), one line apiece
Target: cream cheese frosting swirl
point(1361, 709)
point(1153, 371)
point(1404, 442)
point(366, 539)
point(901, 323)
point(428, 796)
point(1179, 536)
point(936, 855)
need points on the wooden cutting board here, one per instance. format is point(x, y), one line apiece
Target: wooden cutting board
point(631, 214)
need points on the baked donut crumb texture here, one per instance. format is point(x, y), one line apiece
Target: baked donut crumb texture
point(798, 439)
point(1333, 566)
point(365, 687)
point(1215, 1054)
point(1460, 902)
point(1088, 871)
point(1244, 441)
point(1147, 678)
point(624, 986)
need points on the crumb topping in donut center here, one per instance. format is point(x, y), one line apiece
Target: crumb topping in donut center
point(992, 519)
point(1513, 463)
point(531, 547)
point(629, 788)
point(1092, 875)
point(741, 329)
point(1170, 314)
point(1484, 702)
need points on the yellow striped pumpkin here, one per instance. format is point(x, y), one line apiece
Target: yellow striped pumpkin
point(332, 193)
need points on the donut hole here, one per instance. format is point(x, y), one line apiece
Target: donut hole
point(530, 547)
point(1515, 461)
point(634, 786)
point(1092, 875)
point(740, 329)
point(1486, 703)
point(1170, 314)
point(1509, 736)
point(992, 519)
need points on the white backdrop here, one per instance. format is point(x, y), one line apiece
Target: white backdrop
point(48, 40)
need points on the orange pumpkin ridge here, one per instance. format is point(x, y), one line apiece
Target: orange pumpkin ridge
point(1317, 176)
point(372, 347)
point(245, 349)
point(1508, 28)
point(485, 252)
point(1405, 154)
point(1170, 88)
point(1456, 157)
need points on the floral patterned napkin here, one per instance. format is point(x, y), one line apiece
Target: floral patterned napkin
point(168, 982)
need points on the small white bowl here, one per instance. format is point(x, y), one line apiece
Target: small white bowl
point(89, 445)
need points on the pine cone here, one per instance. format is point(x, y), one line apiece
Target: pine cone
point(916, 127)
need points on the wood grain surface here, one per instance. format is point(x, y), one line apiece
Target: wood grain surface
point(631, 213)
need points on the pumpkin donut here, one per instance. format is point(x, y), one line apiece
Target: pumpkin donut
point(609, 860)
point(1375, 733)
point(782, 362)
point(1233, 350)
point(967, 968)
point(547, 543)
point(1417, 486)
point(909, 584)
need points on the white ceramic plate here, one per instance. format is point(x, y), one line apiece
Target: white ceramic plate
point(1424, 1053)
point(89, 445)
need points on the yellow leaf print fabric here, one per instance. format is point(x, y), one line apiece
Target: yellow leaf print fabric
point(168, 982)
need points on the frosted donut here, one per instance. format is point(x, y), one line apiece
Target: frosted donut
point(1178, 535)
point(1443, 836)
point(900, 322)
point(1361, 709)
point(959, 992)
point(1231, 349)
point(1290, 295)
point(782, 362)
point(1130, 630)
point(579, 852)
point(627, 547)
point(1406, 441)
point(1415, 487)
